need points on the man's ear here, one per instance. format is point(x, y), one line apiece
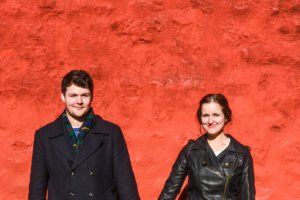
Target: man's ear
point(62, 96)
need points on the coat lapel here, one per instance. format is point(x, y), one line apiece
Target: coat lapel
point(63, 144)
point(210, 159)
point(59, 140)
point(92, 142)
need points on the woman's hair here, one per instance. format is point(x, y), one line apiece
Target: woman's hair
point(216, 98)
point(79, 78)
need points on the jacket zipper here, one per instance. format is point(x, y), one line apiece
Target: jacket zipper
point(225, 188)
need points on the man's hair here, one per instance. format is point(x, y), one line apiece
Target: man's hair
point(79, 78)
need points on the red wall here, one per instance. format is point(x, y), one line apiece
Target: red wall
point(152, 60)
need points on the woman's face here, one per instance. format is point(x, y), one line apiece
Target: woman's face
point(212, 118)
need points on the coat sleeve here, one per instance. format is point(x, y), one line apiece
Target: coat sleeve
point(122, 169)
point(247, 182)
point(39, 172)
point(177, 176)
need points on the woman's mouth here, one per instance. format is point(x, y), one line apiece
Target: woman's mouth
point(211, 125)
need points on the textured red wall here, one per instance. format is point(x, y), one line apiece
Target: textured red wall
point(152, 60)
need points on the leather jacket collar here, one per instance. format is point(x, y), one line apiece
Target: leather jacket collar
point(201, 144)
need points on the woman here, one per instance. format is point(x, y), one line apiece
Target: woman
point(218, 166)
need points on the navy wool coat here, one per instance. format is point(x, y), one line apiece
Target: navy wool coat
point(101, 170)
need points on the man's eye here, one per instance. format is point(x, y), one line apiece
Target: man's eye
point(216, 115)
point(205, 115)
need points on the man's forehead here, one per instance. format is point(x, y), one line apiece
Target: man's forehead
point(77, 89)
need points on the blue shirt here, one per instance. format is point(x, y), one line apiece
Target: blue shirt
point(76, 130)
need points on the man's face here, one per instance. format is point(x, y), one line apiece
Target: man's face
point(77, 101)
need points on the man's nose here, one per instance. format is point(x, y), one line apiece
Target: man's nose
point(79, 99)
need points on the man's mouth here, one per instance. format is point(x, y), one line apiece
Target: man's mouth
point(78, 108)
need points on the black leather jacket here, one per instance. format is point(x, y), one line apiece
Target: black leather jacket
point(233, 179)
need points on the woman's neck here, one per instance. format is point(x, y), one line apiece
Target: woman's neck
point(218, 143)
point(217, 138)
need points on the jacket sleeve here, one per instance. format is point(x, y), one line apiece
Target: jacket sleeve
point(247, 182)
point(177, 176)
point(39, 172)
point(123, 173)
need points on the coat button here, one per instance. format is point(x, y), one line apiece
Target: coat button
point(91, 194)
point(226, 164)
point(204, 162)
point(72, 173)
point(71, 194)
point(91, 173)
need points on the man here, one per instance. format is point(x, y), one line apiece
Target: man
point(80, 156)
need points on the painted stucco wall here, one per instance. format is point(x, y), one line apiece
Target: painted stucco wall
point(152, 60)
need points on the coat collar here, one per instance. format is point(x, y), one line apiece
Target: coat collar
point(93, 141)
point(234, 148)
point(98, 128)
point(201, 144)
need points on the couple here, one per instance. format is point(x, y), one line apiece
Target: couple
point(81, 156)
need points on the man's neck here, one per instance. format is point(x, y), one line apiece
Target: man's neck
point(75, 123)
